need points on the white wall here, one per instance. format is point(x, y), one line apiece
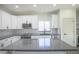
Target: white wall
point(44, 17)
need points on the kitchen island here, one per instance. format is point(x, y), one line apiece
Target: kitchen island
point(40, 44)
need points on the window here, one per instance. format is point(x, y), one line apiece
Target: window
point(47, 25)
point(44, 26)
point(41, 26)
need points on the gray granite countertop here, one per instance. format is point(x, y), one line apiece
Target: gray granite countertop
point(33, 44)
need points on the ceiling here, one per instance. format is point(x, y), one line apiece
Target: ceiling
point(29, 9)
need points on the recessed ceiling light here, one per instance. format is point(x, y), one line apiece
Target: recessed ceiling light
point(34, 5)
point(17, 6)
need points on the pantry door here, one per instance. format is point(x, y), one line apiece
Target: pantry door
point(68, 31)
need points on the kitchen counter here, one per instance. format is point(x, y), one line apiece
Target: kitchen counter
point(6, 33)
point(34, 45)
